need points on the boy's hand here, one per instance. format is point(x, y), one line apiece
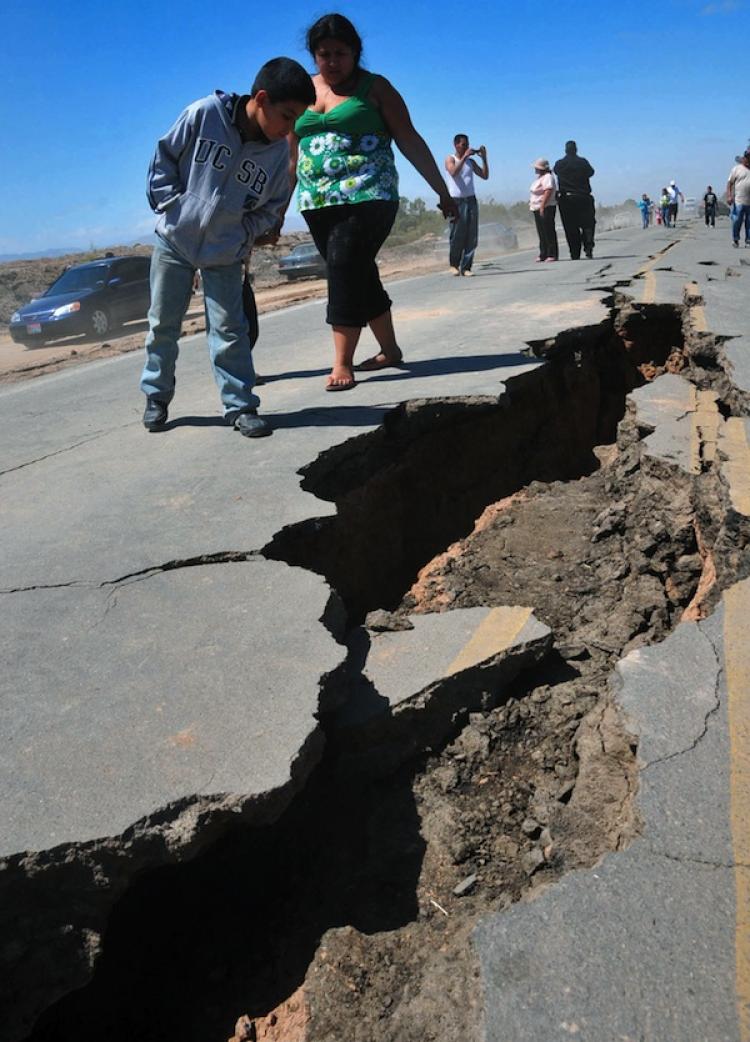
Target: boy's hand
point(267, 239)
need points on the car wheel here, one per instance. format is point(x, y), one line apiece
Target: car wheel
point(99, 323)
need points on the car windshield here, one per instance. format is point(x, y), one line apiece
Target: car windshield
point(76, 279)
point(303, 251)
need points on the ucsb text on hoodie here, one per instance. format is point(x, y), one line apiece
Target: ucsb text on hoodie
point(214, 193)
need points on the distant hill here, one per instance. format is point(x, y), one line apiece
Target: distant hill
point(66, 251)
point(37, 256)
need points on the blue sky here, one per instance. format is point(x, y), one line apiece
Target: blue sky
point(650, 94)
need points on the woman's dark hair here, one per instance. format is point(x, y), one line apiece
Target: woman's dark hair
point(334, 27)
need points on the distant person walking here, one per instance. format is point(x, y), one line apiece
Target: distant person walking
point(710, 201)
point(675, 197)
point(575, 200)
point(543, 205)
point(645, 205)
point(664, 207)
point(464, 231)
point(738, 196)
point(732, 204)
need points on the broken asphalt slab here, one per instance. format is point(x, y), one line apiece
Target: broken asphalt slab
point(104, 725)
point(139, 722)
point(407, 687)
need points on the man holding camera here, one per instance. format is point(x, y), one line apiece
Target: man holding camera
point(465, 229)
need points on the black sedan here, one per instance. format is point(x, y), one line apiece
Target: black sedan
point(303, 260)
point(88, 298)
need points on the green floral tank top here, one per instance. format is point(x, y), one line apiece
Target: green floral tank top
point(345, 155)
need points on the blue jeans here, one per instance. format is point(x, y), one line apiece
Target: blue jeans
point(741, 216)
point(228, 341)
point(464, 234)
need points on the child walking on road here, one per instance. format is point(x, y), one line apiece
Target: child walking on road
point(219, 182)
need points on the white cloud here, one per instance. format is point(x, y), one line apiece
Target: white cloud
point(722, 7)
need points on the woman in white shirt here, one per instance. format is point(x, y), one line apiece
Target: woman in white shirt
point(543, 205)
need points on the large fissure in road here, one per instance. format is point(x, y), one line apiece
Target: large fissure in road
point(350, 917)
point(407, 490)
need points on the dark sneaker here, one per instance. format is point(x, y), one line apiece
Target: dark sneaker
point(590, 254)
point(155, 415)
point(251, 425)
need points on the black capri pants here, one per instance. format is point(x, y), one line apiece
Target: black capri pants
point(349, 237)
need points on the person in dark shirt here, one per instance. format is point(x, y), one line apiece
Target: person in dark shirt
point(576, 201)
point(710, 200)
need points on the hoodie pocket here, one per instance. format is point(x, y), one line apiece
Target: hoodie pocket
point(228, 234)
point(183, 222)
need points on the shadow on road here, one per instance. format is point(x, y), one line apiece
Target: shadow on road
point(449, 365)
point(330, 416)
point(445, 366)
point(191, 421)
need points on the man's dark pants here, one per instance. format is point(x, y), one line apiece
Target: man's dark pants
point(579, 218)
point(464, 234)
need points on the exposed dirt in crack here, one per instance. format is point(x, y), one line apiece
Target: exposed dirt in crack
point(350, 918)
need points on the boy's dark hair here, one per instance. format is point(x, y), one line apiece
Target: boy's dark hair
point(284, 79)
point(334, 27)
point(461, 137)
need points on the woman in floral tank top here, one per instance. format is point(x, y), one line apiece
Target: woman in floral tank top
point(343, 163)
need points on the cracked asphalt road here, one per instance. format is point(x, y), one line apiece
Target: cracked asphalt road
point(195, 695)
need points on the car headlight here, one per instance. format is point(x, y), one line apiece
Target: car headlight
point(66, 309)
point(16, 316)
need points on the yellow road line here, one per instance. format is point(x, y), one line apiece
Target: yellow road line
point(649, 288)
point(494, 634)
point(736, 467)
point(697, 311)
point(704, 432)
point(737, 662)
point(648, 296)
point(649, 279)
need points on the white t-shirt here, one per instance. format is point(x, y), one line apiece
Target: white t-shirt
point(739, 179)
point(674, 194)
point(539, 187)
point(461, 185)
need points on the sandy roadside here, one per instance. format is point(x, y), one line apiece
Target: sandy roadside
point(20, 363)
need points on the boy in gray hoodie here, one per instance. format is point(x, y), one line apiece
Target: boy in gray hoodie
point(219, 182)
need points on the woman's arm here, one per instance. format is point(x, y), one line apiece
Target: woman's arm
point(293, 142)
point(398, 122)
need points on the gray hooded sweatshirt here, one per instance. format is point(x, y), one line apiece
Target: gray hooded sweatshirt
point(214, 192)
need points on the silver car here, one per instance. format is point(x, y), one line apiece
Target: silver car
point(303, 260)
